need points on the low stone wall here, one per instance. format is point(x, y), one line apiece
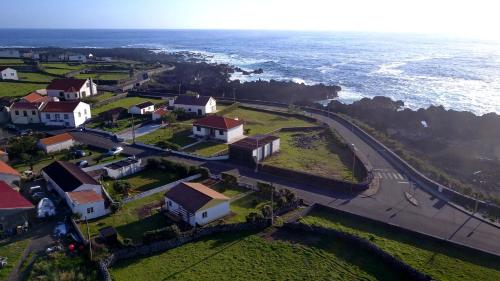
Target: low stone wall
point(395, 264)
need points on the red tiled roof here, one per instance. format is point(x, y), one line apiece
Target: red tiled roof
point(25, 105)
point(67, 85)
point(11, 199)
point(161, 111)
point(84, 197)
point(6, 169)
point(218, 122)
point(57, 139)
point(33, 97)
point(60, 106)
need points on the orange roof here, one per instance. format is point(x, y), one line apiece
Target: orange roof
point(218, 122)
point(33, 97)
point(84, 197)
point(6, 169)
point(161, 111)
point(206, 190)
point(57, 139)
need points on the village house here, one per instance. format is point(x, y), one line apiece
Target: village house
point(254, 149)
point(65, 113)
point(57, 143)
point(7, 73)
point(23, 112)
point(6, 53)
point(218, 128)
point(142, 108)
point(123, 168)
point(82, 193)
point(77, 58)
point(71, 89)
point(37, 97)
point(8, 174)
point(199, 105)
point(15, 210)
point(159, 113)
point(196, 203)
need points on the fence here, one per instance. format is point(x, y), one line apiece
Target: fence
point(160, 189)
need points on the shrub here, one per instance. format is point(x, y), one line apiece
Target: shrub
point(229, 179)
point(127, 242)
point(265, 188)
point(254, 217)
point(121, 186)
point(165, 233)
point(168, 145)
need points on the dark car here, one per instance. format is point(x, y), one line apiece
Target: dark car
point(79, 153)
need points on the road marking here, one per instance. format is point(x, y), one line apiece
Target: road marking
point(400, 176)
point(404, 182)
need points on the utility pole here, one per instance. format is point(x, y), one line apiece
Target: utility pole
point(88, 237)
point(133, 129)
point(353, 164)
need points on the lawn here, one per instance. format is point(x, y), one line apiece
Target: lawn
point(9, 89)
point(176, 133)
point(229, 190)
point(313, 152)
point(13, 252)
point(442, 262)
point(133, 219)
point(63, 66)
point(246, 205)
point(60, 266)
point(100, 97)
point(104, 76)
point(207, 148)
point(246, 256)
point(125, 103)
point(120, 125)
point(35, 77)
point(261, 122)
point(11, 61)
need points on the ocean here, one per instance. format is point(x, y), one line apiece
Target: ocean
point(421, 70)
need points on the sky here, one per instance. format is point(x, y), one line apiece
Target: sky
point(470, 18)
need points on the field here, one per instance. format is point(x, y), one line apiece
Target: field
point(102, 96)
point(260, 122)
point(9, 89)
point(34, 77)
point(440, 261)
point(314, 152)
point(246, 205)
point(59, 266)
point(125, 103)
point(132, 219)
point(60, 68)
point(13, 253)
point(120, 124)
point(103, 76)
point(247, 256)
point(207, 148)
point(176, 133)
point(11, 61)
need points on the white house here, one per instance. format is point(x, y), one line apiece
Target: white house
point(23, 112)
point(78, 58)
point(142, 108)
point(123, 168)
point(65, 113)
point(71, 89)
point(8, 73)
point(57, 143)
point(255, 148)
point(5, 53)
point(218, 128)
point(8, 174)
point(199, 105)
point(196, 203)
point(66, 179)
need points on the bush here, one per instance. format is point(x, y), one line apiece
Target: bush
point(254, 217)
point(165, 233)
point(127, 242)
point(229, 179)
point(121, 187)
point(265, 188)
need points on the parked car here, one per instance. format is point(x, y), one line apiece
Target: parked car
point(79, 153)
point(115, 150)
point(82, 164)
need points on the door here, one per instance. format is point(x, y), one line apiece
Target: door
point(200, 112)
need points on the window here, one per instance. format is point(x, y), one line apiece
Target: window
point(11, 74)
point(170, 203)
point(85, 111)
point(16, 112)
point(57, 116)
point(79, 114)
point(198, 128)
point(221, 132)
point(204, 215)
point(189, 109)
point(61, 94)
point(25, 113)
point(33, 112)
point(90, 210)
point(84, 94)
point(66, 116)
point(47, 116)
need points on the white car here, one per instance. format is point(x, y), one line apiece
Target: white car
point(115, 150)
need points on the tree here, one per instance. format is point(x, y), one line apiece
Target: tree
point(169, 118)
point(267, 211)
point(122, 187)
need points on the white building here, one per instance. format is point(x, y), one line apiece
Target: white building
point(65, 113)
point(57, 143)
point(196, 203)
point(81, 192)
point(72, 89)
point(7, 73)
point(142, 108)
point(123, 168)
point(255, 148)
point(23, 112)
point(199, 105)
point(218, 128)
point(5, 53)
point(8, 174)
point(77, 58)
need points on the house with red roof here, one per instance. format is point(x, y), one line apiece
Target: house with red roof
point(23, 112)
point(38, 98)
point(65, 113)
point(56, 143)
point(8, 174)
point(219, 128)
point(71, 89)
point(15, 210)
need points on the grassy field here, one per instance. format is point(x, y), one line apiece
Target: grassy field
point(9, 89)
point(125, 103)
point(176, 133)
point(313, 152)
point(103, 76)
point(246, 205)
point(120, 125)
point(35, 77)
point(59, 267)
point(229, 191)
point(11, 61)
point(440, 261)
point(13, 253)
point(207, 148)
point(132, 220)
point(247, 256)
point(261, 122)
point(60, 68)
point(100, 97)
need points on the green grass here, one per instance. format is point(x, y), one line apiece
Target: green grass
point(34, 77)
point(125, 103)
point(13, 252)
point(102, 96)
point(9, 89)
point(11, 61)
point(176, 133)
point(63, 66)
point(112, 76)
point(228, 190)
point(245, 256)
point(260, 122)
point(442, 262)
point(59, 266)
point(127, 220)
point(207, 148)
point(313, 152)
point(120, 125)
point(246, 205)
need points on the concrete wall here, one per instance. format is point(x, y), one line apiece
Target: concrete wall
point(17, 116)
point(141, 111)
point(124, 171)
point(99, 209)
point(57, 146)
point(216, 212)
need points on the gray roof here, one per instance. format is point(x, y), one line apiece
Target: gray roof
point(121, 163)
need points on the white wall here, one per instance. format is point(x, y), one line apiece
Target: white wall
point(9, 74)
point(216, 212)
point(74, 119)
point(267, 150)
point(229, 136)
point(124, 171)
point(30, 118)
point(210, 107)
point(57, 146)
point(98, 209)
point(136, 110)
point(234, 134)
